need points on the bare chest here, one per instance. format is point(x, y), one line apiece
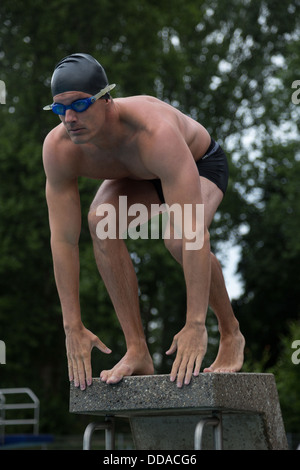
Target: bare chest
point(113, 164)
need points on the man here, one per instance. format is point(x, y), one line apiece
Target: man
point(151, 153)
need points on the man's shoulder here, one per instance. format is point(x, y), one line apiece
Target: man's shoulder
point(138, 105)
point(56, 137)
point(137, 98)
point(58, 142)
point(147, 113)
point(59, 156)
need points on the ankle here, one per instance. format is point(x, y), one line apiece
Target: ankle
point(230, 330)
point(137, 346)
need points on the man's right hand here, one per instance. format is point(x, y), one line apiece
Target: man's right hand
point(79, 344)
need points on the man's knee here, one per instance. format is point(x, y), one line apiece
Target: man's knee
point(174, 246)
point(92, 221)
point(214, 260)
point(103, 221)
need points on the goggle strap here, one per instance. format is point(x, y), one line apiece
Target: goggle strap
point(48, 107)
point(103, 92)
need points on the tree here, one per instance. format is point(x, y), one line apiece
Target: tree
point(231, 68)
point(286, 371)
point(270, 252)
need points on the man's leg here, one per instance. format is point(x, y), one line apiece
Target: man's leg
point(117, 271)
point(231, 349)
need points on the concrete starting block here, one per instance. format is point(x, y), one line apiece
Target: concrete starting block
point(215, 411)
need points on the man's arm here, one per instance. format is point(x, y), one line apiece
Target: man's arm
point(173, 163)
point(65, 221)
point(65, 224)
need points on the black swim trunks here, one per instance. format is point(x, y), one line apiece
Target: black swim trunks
point(213, 166)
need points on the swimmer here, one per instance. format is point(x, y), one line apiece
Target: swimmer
point(150, 152)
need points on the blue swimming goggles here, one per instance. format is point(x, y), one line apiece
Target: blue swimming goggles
point(79, 105)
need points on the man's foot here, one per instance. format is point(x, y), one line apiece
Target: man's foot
point(132, 363)
point(230, 356)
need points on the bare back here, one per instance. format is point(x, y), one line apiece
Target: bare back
point(131, 126)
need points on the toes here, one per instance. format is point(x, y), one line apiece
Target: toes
point(114, 379)
point(114, 375)
point(104, 375)
point(220, 370)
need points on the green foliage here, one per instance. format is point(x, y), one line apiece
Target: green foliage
point(228, 64)
point(286, 372)
point(270, 251)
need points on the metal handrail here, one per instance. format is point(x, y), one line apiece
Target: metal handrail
point(216, 421)
point(2, 417)
point(35, 405)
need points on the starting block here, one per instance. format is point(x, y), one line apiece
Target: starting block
point(236, 411)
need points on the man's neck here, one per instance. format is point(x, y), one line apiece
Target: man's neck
point(115, 132)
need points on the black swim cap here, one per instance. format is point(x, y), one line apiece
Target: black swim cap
point(78, 72)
